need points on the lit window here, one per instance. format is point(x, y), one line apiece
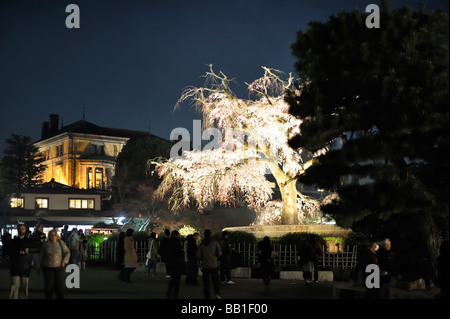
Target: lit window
point(41, 203)
point(81, 203)
point(99, 178)
point(16, 202)
point(59, 150)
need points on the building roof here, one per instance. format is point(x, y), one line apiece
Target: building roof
point(83, 126)
point(51, 129)
point(54, 187)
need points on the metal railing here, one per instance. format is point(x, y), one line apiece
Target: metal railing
point(285, 256)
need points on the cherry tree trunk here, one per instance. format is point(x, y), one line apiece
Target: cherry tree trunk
point(289, 215)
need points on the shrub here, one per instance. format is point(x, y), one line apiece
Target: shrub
point(235, 237)
point(188, 230)
point(299, 238)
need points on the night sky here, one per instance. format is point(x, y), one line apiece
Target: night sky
point(129, 61)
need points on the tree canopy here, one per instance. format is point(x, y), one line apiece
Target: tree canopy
point(131, 165)
point(252, 136)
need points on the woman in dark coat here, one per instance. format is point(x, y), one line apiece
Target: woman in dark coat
point(174, 256)
point(120, 250)
point(19, 252)
point(265, 260)
point(306, 261)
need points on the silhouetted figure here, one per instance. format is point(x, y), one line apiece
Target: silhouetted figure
point(6, 238)
point(317, 247)
point(19, 252)
point(174, 257)
point(38, 238)
point(306, 253)
point(225, 259)
point(385, 262)
point(65, 233)
point(266, 264)
point(163, 240)
point(120, 251)
point(191, 259)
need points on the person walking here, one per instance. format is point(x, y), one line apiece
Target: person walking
point(371, 259)
point(53, 258)
point(21, 258)
point(38, 238)
point(74, 246)
point(317, 248)
point(266, 264)
point(208, 252)
point(191, 259)
point(225, 259)
point(82, 250)
point(65, 234)
point(130, 257)
point(6, 238)
point(152, 255)
point(306, 261)
point(120, 251)
point(163, 240)
point(173, 254)
point(385, 262)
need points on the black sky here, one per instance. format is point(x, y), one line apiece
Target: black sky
point(130, 60)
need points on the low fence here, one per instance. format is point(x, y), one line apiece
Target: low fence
point(285, 256)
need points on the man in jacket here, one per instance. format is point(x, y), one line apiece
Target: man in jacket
point(74, 246)
point(208, 251)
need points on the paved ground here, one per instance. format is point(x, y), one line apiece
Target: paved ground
point(99, 287)
point(102, 283)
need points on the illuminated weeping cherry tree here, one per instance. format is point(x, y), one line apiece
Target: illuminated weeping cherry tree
point(251, 140)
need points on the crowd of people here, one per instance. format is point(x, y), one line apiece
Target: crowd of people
point(213, 257)
point(48, 255)
point(51, 254)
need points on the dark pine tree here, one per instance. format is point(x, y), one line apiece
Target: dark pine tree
point(378, 100)
point(21, 163)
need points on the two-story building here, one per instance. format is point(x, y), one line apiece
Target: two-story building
point(82, 154)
